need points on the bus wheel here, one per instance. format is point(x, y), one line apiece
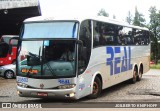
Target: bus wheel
point(97, 88)
point(134, 79)
point(139, 77)
point(9, 74)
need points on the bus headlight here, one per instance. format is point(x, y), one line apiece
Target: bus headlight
point(67, 86)
point(22, 85)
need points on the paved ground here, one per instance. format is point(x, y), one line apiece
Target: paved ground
point(147, 90)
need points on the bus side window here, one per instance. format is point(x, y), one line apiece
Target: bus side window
point(138, 37)
point(146, 37)
point(105, 34)
point(126, 36)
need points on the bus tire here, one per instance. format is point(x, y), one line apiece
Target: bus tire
point(97, 88)
point(139, 76)
point(134, 78)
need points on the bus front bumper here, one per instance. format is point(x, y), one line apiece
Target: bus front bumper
point(47, 93)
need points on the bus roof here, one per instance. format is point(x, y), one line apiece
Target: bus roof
point(80, 19)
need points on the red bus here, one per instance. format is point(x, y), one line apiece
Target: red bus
point(8, 50)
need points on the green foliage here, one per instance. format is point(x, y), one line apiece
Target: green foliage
point(139, 19)
point(152, 57)
point(129, 18)
point(155, 66)
point(114, 17)
point(102, 12)
point(154, 27)
point(154, 24)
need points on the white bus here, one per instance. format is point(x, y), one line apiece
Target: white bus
point(104, 53)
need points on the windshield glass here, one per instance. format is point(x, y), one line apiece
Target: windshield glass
point(6, 39)
point(51, 58)
point(51, 30)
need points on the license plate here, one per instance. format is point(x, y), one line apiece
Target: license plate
point(22, 79)
point(42, 94)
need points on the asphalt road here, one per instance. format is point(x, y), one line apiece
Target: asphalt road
point(145, 91)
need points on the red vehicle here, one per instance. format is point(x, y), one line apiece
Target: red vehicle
point(8, 50)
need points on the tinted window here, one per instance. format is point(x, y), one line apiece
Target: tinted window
point(141, 37)
point(4, 47)
point(126, 36)
point(85, 37)
point(105, 34)
point(51, 30)
point(111, 34)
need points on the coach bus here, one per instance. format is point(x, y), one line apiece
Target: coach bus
point(105, 52)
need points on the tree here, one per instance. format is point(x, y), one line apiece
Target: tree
point(139, 19)
point(102, 12)
point(129, 18)
point(114, 17)
point(154, 27)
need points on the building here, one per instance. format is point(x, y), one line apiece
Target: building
point(13, 13)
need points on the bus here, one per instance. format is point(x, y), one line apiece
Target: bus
point(8, 50)
point(105, 52)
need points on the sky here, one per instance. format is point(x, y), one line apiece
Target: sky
point(119, 8)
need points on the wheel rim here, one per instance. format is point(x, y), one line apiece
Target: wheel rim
point(9, 74)
point(95, 88)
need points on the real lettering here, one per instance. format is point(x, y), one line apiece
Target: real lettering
point(113, 61)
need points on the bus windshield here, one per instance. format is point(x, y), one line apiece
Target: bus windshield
point(46, 59)
point(51, 30)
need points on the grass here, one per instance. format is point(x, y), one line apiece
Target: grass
point(155, 66)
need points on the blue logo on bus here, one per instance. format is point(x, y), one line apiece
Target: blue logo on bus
point(64, 81)
point(22, 79)
point(113, 61)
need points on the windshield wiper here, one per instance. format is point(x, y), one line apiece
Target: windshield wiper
point(50, 68)
point(37, 57)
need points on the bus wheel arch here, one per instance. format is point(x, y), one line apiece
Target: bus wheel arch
point(140, 72)
point(96, 87)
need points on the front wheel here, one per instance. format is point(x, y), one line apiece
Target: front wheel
point(9, 74)
point(97, 88)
